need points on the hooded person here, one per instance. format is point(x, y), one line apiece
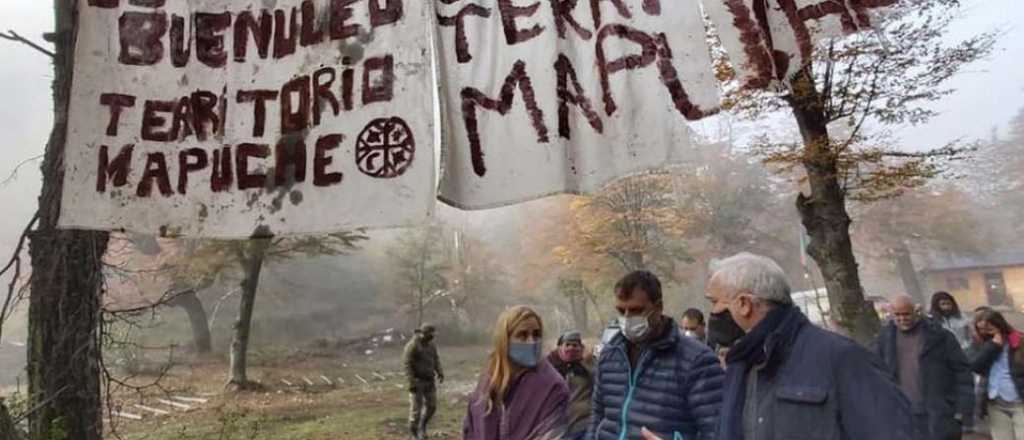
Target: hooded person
point(520, 395)
point(946, 312)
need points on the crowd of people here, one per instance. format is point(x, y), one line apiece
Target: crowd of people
point(757, 369)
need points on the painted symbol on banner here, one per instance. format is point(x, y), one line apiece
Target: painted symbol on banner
point(386, 148)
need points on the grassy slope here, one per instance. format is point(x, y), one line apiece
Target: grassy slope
point(350, 411)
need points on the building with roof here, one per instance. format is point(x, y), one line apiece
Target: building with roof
point(993, 279)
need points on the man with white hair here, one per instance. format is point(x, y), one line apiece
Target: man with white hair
point(787, 378)
point(930, 368)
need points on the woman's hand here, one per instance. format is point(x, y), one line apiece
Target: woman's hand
point(998, 339)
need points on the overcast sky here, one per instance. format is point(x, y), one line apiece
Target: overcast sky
point(988, 95)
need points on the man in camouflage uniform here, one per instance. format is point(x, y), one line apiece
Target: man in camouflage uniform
point(422, 368)
point(568, 359)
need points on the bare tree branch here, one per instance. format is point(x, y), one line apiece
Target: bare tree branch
point(113, 384)
point(14, 173)
point(16, 264)
point(13, 36)
point(165, 299)
point(220, 302)
point(38, 407)
point(21, 243)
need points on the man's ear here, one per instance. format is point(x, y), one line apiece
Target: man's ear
point(746, 305)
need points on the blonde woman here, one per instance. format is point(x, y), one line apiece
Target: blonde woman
point(520, 395)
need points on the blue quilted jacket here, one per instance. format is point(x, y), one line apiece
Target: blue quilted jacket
point(675, 391)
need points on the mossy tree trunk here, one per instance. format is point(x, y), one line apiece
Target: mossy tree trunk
point(66, 286)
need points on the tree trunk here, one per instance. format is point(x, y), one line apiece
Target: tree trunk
point(66, 286)
point(197, 318)
point(419, 308)
point(905, 266)
point(240, 345)
point(823, 213)
point(635, 261)
point(578, 304)
point(574, 291)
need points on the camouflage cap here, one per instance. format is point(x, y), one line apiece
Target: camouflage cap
point(570, 336)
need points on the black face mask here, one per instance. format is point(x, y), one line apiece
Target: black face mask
point(723, 330)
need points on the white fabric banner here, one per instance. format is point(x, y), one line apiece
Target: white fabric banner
point(234, 118)
point(771, 40)
point(546, 97)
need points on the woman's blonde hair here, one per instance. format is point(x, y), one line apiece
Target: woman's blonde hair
point(499, 367)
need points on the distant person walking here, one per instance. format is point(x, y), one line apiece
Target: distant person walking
point(930, 368)
point(946, 312)
point(569, 361)
point(520, 396)
point(999, 360)
point(422, 370)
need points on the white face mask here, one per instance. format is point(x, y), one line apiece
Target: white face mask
point(635, 328)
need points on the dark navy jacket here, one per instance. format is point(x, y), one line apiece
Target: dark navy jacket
point(675, 390)
point(946, 382)
point(828, 388)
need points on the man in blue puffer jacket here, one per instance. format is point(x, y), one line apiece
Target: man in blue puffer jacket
point(650, 375)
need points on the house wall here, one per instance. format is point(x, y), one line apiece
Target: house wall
point(974, 295)
point(970, 298)
point(1015, 284)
